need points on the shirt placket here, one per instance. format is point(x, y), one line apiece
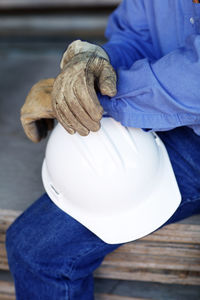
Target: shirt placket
point(195, 18)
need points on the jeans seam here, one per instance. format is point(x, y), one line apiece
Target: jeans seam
point(38, 273)
point(73, 264)
point(189, 201)
point(73, 267)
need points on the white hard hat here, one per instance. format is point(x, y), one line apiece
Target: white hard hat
point(118, 182)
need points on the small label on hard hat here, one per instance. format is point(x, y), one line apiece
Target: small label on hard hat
point(53, 188)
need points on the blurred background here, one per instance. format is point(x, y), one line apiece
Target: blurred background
point(33, 36)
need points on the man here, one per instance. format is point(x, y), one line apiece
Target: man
point(154, 47)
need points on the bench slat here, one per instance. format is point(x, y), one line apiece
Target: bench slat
point(152, 262)
point(156, 248)
point(147, 275)
point(115, 297)
point(7, 290)
point(176, 233)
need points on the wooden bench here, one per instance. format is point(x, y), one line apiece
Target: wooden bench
point(169, 255)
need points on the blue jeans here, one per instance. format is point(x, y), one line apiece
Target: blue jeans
point(52, 256)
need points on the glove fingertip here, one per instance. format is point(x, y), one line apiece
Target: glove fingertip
point(110, 93)
point(108, 90)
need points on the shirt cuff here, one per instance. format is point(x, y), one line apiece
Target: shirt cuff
point(110, 49)
point(123, 113)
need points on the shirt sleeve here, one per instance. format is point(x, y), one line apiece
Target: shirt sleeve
point(128, 34)
point(159, 95)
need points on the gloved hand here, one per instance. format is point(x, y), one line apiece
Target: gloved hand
point(37, 114)
point(84, 67)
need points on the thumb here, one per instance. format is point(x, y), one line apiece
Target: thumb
point(31, 131)
point(107, 80)
point(36, 130)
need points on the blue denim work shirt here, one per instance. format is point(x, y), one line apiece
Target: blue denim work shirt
point(154, 46)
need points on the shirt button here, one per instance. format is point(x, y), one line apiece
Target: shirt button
point(192, 20)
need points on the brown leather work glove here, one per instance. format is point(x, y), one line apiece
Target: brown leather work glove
point(37, 114)
point(74, 99)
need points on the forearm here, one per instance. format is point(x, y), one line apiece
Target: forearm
point(160, 95)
